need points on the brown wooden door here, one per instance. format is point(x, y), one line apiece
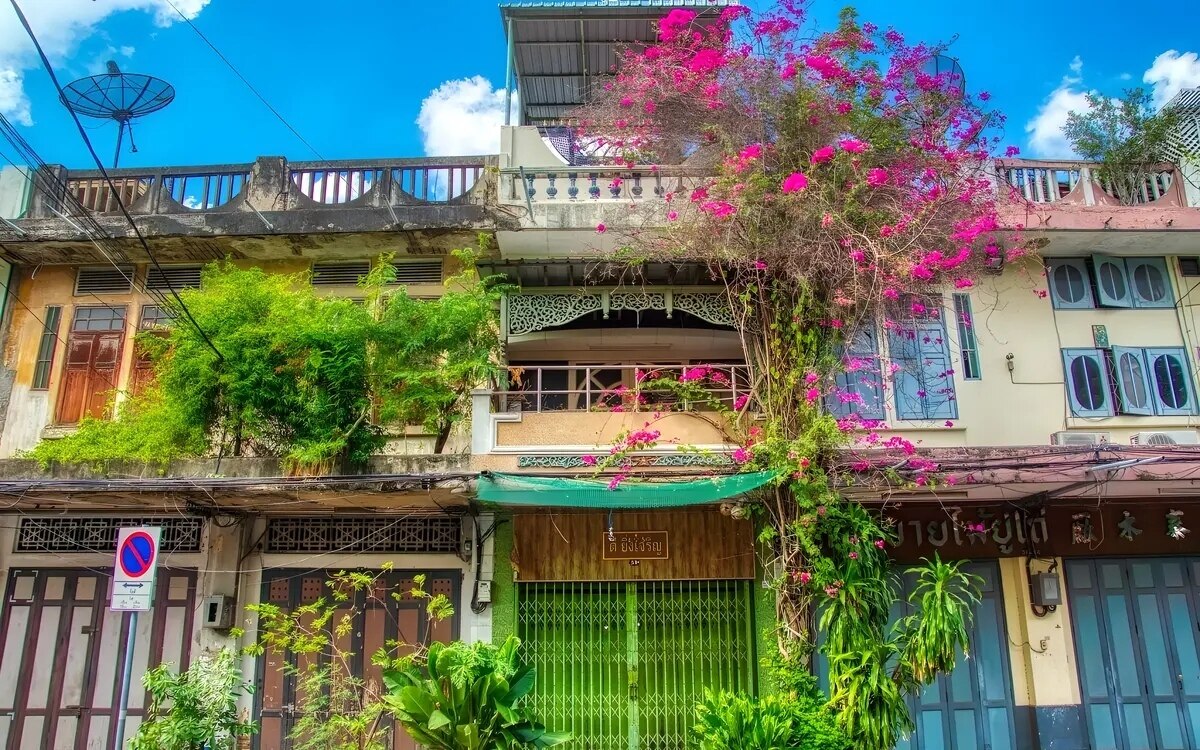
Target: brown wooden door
point(376, 625)
point(60, 667)
point(92, 367)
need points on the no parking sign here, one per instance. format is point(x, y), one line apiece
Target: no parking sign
point(133, 573)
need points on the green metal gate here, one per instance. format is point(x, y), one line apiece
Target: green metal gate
point(621, 665)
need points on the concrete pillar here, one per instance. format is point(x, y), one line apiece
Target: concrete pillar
point(1190, 170)
point(269, 184)
point(1046, 693)
point(222, 549)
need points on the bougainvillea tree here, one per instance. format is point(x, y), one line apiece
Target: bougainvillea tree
point(849, 190)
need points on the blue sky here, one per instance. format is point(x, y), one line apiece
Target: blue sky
point(353, 76)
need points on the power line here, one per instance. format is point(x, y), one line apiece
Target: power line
point(108, 179)
point(243, 79)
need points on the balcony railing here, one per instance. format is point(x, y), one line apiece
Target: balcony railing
point(1080, 183)
point(624, 388)
point(584, 184)
point(268, 184)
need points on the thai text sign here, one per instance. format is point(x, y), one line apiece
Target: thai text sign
point(635, 545)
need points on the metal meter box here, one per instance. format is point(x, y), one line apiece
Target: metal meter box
point(217, 612)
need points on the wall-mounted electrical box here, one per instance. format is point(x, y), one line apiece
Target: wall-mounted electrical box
point(217, 612)
point(1045, 589)
point(485, 592)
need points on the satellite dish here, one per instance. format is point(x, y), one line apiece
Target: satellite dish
point(941, 65)
point(118, 96)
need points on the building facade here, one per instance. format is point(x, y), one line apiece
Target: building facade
point(1071, 420)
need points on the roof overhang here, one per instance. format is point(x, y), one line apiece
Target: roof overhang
point(559, 50)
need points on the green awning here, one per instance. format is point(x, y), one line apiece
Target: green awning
point(518, 489)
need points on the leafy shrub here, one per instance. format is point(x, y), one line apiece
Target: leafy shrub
point(196, 708)
point(467, 697)
point(796, 721)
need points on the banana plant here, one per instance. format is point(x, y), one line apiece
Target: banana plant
point(468, 697)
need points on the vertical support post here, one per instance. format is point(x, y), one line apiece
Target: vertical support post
point(508, 72)
point(120, 134)
point(126, 675)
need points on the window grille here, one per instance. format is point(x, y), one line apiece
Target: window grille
point(99, 533)
point(427, 534)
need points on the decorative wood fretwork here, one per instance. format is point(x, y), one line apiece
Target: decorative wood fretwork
point(531, 312)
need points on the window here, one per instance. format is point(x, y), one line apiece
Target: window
point(924, 377)
point(966, 337)
point(1088, 386)
point(859, 389)
point(1104, 281)
point(154, 322)
point(93, 361)
point(45, 356)
point(1156, 381)
point(155, 317)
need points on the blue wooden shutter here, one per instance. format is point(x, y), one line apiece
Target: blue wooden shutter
point(1133, 381)
point(1070, 286)
point(1088, 387)
point(867, 381)
point(1149, 282)
point(1170, 379)
point(1112, 281)
point(924, 383)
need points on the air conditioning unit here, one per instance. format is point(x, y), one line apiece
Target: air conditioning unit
point(1167, 437)
point(1079, 438)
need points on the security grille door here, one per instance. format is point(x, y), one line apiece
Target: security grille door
point(1135, 624)
point(621, 665)
point(60, 666)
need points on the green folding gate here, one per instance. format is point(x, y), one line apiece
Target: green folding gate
point(621, 665)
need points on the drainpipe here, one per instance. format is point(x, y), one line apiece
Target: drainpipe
point(508, 73)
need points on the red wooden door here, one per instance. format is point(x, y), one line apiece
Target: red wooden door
point(93, 363)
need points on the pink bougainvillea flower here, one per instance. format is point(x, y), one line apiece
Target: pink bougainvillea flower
point(963, 283)
point(741, 456)
point(825, 65)
point(826, 221)
point(853, 145)
point(879, 544)
point(810, 378)
point(949, 423)
point(760, 266)
point(844, 108)
point(588, 460)
point(805, 577)
point(626, 101)
point(706, 61)
point(794, 183)
point(887, 230)
point(601, 228)
point(740, 402)
point(812, 394)
point(718, 209)
point(822, 155)
point(675, 23)
point(672, 215)
point(858, 256)
point(877, 177)
point(753, 151)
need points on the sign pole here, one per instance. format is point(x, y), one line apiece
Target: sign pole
point(126, 676)
point(132, 592)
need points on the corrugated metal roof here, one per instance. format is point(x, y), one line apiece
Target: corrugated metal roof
point(562, 48)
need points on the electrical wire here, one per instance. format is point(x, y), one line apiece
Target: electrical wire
point(243, 79)
point(108, 179)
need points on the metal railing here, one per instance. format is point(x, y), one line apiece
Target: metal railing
point(396, 183)
point(166, 190)
point(630, 388)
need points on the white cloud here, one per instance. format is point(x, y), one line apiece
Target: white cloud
point(1126, 76)
point(127, 51)
point(1045, 129)
point(462, 117)
point(61, 25)
point(1170, 73)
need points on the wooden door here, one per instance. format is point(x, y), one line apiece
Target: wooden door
point(92, 367)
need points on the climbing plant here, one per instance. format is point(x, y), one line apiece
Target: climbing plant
point(849, 188)
point(273, 368)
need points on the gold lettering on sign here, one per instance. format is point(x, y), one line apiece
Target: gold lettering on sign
point(634, 545)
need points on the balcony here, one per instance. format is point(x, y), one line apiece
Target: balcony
point(198, 213)
point(552, 416)
point(1043, 195)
